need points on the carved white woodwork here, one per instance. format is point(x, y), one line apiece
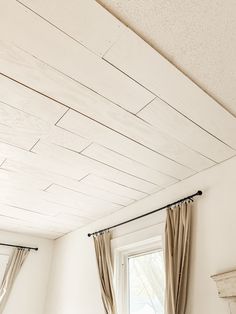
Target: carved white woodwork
point(226, 286)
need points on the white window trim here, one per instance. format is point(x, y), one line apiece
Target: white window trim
point(139, 242)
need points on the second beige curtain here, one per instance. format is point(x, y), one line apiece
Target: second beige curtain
point(177, 256)
point(102, 245)
point(13, 267)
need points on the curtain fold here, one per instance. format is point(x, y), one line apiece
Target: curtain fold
point(102, 243)
point(13, 267)
point(177, 257)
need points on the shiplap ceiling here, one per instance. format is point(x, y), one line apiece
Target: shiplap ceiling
point(92, 118)
point(199, 37)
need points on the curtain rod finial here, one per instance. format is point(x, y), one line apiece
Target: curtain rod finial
point(89, 235)
point(199, 192)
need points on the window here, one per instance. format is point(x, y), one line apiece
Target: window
point(139, 276)
point(3, 264)
point(146, 283)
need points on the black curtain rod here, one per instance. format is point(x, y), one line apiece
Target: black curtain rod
point(144, 215)
point(20, 247)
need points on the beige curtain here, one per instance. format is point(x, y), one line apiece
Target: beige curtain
point(102, 245)
point(177, 256)
point(13, 267)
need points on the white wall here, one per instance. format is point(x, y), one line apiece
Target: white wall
point(29, 292)
point(74, 286)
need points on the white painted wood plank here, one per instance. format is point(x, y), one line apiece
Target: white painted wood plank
point(33, 173)
point(100, 134)
point(84, 211)
point(98, 193)
point(116, 192)
point(85, 189)
point(71, 221)
point(16, 138)
point(33, 219)
point(2, 159)
point(112, 187)
point(78, 200)
point(163, 79)
point(85, 21)
point(33, 178)
point(123, 163)
point(74, 60)
point(90, 104)
point(87, 165)
point(50, 164)
point(65, 139)
point(18, 180)
point(13, 225)
point(22, 98)
point(41, 226)
point(29, 200)
point(165, 118)
point(23, 130)
point(143, 133)
point(51, 204)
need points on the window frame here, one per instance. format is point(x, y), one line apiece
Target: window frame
point(129, 246)
point(5, 254)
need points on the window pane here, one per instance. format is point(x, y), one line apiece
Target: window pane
point(3, 264)
point(146, 284)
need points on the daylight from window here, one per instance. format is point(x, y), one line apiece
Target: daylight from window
point(146, 284)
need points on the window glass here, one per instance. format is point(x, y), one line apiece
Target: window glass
point(146, 283)
point(3, 265)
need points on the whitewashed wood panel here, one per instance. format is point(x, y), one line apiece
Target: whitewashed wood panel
point(51, 204)
point(23, 130)
point(40, 227)
point(87, 166)
point(113, 187)
point(19, 120)
point(20, 174)
point(29, 201)
point(64, 54)
point(71, 221)
point(22, 98)
point(37, 75)
point(32, 173)
point(90, 104)
point(145, 134)
point(92, 207)
point(14, 225)
point(18, 180)
point(98, 193)
point(154, 72)
point(85, 21)
point(11, 131)
point(35, 219)
point(65, 139)
point(90, 184)
point(2, 159)
point(11, 136)
point(165, 118)
point(50, 164)
point(123, 163)
point(85, 212)
point(100, 134)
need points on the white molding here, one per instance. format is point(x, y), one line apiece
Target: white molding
point(226, 286)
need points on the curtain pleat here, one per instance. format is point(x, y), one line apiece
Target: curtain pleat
point(177, 257)
point(13, 267)
point(102, 245)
